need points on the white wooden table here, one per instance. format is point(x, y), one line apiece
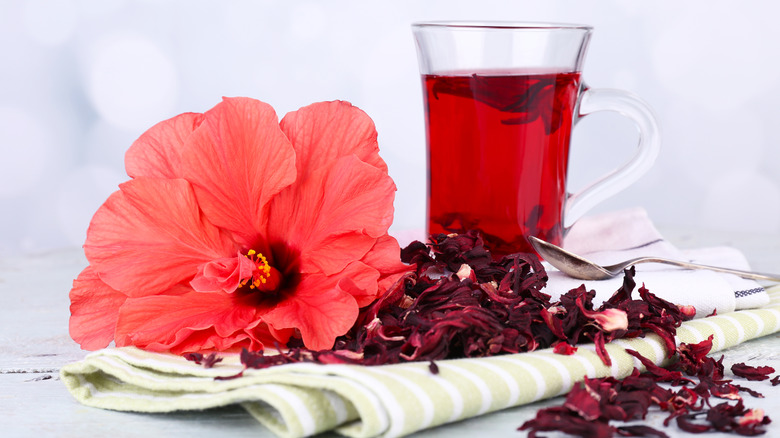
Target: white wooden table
point(34, 344)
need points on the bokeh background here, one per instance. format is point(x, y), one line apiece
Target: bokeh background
point(80, 80)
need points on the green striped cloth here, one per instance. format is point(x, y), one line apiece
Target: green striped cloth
point(305, 399)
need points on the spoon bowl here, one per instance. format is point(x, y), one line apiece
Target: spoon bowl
point(579, 267)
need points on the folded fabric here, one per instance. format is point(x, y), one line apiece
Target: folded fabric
point(614, 237)
point(394, 400)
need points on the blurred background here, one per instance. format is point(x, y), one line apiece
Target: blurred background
point(81, 80)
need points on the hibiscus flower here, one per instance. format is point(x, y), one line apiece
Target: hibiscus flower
point(238, 231)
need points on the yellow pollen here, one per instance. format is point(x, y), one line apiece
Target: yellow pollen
point(262, 270)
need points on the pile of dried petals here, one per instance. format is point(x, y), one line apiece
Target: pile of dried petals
point(591, 405)
point(459, 302)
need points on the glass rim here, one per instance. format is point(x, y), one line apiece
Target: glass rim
point(508, 25)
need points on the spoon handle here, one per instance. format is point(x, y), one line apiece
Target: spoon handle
point(740, 273)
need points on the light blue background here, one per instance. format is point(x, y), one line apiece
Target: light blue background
point(82, 79)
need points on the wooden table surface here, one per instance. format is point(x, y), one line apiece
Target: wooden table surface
point(34, 344)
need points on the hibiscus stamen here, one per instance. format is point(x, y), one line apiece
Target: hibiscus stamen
point(263, 277)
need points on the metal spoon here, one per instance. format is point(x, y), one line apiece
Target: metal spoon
point(578, 267)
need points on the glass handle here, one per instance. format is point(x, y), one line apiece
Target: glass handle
point(636, 109)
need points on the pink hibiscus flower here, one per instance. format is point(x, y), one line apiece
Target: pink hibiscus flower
point(237, 231)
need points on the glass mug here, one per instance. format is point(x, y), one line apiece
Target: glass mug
point(501, 100)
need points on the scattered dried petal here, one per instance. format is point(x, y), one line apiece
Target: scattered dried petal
point(583, 400)
point(750, 391)
point(562, 347)
point(751, 372)
point(207, 361)
point(564, 420)
point(234, 376)
point(609, 320)
point(686, 423)
point(753, 416)
point(692, 356)
point(689, 312)
point(640, 430)
point(660, 374)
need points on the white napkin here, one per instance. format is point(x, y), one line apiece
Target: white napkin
point(622, 235)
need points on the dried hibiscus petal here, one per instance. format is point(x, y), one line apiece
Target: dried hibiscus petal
point(688, 312)
point(751, 421)
point(661, 374)
point(751, 372)
point(750, 391)
point(601, 348)
point(585, 401)
point(609, 320)
point(207, 361)
point(562, 347)
point(564, 420)
point(736, 418)
point(692, 356)
point(632, 404)
point(639, 430)
point(686, 423)
point(726, 391)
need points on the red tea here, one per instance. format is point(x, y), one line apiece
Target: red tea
point(498, 147)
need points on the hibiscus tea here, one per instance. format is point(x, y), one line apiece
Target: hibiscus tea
point(498, 147)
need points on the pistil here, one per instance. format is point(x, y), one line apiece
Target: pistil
point(263, 277)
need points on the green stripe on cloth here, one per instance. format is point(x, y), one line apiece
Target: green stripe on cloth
point(393, 400)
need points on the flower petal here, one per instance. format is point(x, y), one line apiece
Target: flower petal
point(360, 281)
point(385, 256)
point(318, 309)
point(269, 337)
point(94, 307)
point(185, 321)
point(223, 274)
point(157, 152)
point(325, 131)
point(237, 160)
point(150, 235)
point(335, 215)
